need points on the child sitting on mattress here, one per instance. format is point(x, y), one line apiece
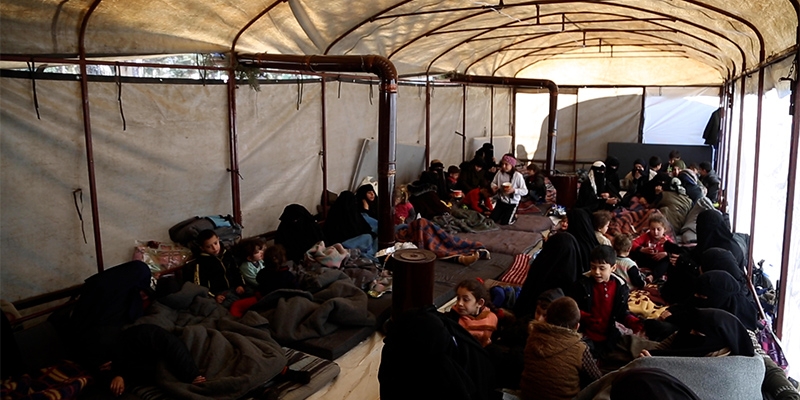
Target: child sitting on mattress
point(601, 219)
point(603, 299)
point(557, 362)
point(509, 186)
point(252, 250)
point(480, 200)
point(277, 272)
point(627, 268)
point(215, 269)
point(648, 248)
point(473, 308)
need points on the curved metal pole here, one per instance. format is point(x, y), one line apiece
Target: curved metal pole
point(387, 115)
point(532, 83)
point(87, 130)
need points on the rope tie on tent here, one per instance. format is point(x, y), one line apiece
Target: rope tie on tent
point(118, 74)
point(76, 195)
point(370, 92)
point(299, 91)
point(339, 92)
point(31, 69)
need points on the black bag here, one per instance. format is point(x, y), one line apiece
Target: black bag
point(185, 232)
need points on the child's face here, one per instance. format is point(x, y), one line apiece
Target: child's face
point(601, 270)
point(370, 195)
point(603, 229)
point(257, 256)
point(454, 175)
point(506, 167)
point(563, 225)
point(211, 246)
point(657, 230)
point(541, 313)
point(466, 304)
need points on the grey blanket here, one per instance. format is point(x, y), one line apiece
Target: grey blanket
point(332, 302)
point(235, 355)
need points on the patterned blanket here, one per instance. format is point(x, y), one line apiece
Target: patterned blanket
point(630, 222)
point(427, 235)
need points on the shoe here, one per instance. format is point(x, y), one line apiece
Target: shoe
point(468, 259)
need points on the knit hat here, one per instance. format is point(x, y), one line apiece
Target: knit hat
point(437, 164)
point(679, 164)
point(509, 159)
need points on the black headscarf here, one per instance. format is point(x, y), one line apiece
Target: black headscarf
point(556, 266)
point(649, 383)
point(612, 175)
point(720, 329)
point(361, 195)
point(713, 231)
point(720, 290)
point(718, 259)
point(581, 227)
point(297, 231)
point(345, 220)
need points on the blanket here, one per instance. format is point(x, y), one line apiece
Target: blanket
point(630, 222)
point(235, 355)
point(427, 235)
point(461, 220)
point(295, 314)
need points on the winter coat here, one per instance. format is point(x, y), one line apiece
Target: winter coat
point(553, 363)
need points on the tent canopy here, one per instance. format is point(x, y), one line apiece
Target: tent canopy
point(622, 42)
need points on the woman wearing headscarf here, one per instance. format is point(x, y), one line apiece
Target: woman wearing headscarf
point(649, 383)
point(719, 259)
point(718, 289)
point(714, 231)
point(345, 222)
point(612, 175)
point(297, 231)
point(581, 227)
point(556, 266)
point(368, 200)
point(704, 332)
point(595, 193)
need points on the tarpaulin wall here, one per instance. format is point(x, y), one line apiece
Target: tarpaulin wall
point(166, 157)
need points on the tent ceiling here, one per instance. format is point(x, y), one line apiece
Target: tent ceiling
point(640, 42)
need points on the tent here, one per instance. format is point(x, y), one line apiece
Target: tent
point(93, 161)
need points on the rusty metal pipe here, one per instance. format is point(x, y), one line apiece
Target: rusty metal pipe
point(233, 139)
point(531, 83)
point(87, 130)
point(387, 115)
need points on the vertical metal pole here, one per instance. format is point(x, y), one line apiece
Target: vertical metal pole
point(234, 144)
point(464, 122)
point(739, 150)
point(428, 121)
point(87, 131)
point(323, 105)
point(760, 103)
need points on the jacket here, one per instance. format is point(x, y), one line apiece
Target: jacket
point(217, 273)
point(582, 293)
point(553, 363)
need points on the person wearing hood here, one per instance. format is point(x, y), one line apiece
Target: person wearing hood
point(595, 193)
point(612, 175)
point(557, 362)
